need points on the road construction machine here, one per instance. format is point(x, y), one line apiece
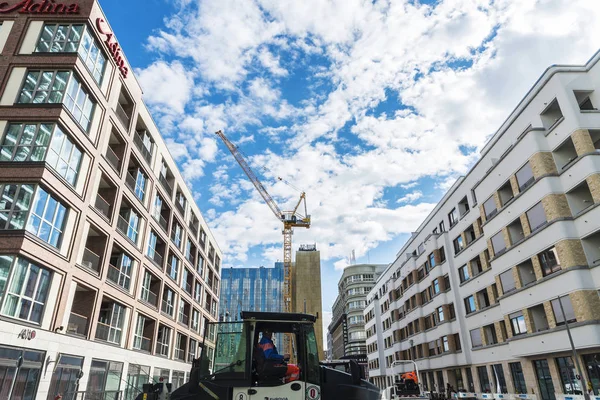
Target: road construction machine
point(237, 369)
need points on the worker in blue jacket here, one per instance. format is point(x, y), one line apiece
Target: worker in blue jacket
point(270, 351)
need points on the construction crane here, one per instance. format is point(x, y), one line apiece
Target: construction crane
point(290, 220)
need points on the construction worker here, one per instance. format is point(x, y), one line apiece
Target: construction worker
point(270, 351)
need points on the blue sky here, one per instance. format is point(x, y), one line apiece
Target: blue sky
point(373, 108)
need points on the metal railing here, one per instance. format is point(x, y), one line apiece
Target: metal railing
point(193, 228)
point(190, 256)
point(143, 344)
point(155, 257)
point(149, 296)
point(187, 287)
point(86, 395)
point(162, 222)
point(123, 227)
point(184, 319)
point(180, 354)
point(180, 208)
point(102, 331)
point(165, 184)
point(114, 275)
point(90, 260)
point(102, 205)
point(142, 147)
point(113, 159)
point(123, 117)
point(78, 325)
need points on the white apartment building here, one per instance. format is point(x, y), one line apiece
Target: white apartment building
point(473, 296)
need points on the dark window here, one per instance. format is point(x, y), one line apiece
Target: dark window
point(463, 273)
point(442, 227)
point(458, 244)
point(470, 380)
point(489, 208)
point(446, 283)
point(432, 260)
point(442, 254)
point(544, 379)
point(567, 372)
point(567, 306)
point(440, 380)
point(453, 217)
point(517, 321)
point(436, 286)
point(549, 261)
point(498, 243)
point(470, 305)
point(498, 376)
point(536, 216)
point(65, 377)
point(525, 177)
point(516, 371)
point(484, 380)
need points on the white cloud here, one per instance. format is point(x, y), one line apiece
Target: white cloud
point(166, 85)
point(410, 197)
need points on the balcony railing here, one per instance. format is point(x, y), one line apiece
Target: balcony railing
point(113, 159)
point(193, 228)
point(90, 260)
point(102, 331)
point(78, 325)
point(162, 349)
point(115, 275)
point(102, 205)
point(123, 227)
point(167, 308)
point(190, 256)
point(180, 208)
point(142, 343)
point(155, 257)
point(147, 153)
point(149, 296)
point(165, 184)
point(162, 222)
point(184, 319)
point(180, 354)
point(123, 117)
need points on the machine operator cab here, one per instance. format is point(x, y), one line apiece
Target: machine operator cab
point(240, 368)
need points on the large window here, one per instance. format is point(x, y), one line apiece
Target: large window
point(508, 281)
point(70, 38)
point(476, 338)
point(542, 372)
point(517, 321)
point(104, 376)
point(121, 270)
point(15, 202)
point(568, 375)
point(489, 207)
point(536, 216)
point(47, 218)
point(499, 379)
point(176, 234)
point(463, 273)
point(516, 371)
point(27, 289)
point(42, 142)
point(173, 267)
point(567, 306)
point(163, 340)
point(58, 87)
point(65, 377)
point(549, 261)
point(484, 380)
point(110, 322)
point(137, 376)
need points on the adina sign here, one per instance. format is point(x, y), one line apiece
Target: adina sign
point(113, 47)
point(40, 7)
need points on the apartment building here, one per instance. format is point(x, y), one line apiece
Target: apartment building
point(480, 295)
point(347, 327)
point(108, 271)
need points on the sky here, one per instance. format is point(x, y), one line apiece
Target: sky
point(373, 108)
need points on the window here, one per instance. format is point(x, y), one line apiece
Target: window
point(15, 201)
point(470, 305)
point(132, 223)
point(140, 182)
point(498, 243)
point(198, 292)
point(517, 321)
point(44, 87)
point(567, 306)
point(476, 338)
point(516, 371)
point(168, 302)
point(508, 281)
point(65, 376)
point(176, 234)
point(442, 254)
point(157, 207)
point(446, 283)
point(442, 227)
point(436, 286)
point(173, 267)
point(498, 376)
point(92, 56)
point(195, 326)
point(489, 208)
point(440, 314)
point(110, 322)
point(549, 261)
point(453, 217)
point(104, 376)
point(525, 177)
point(27, 289)
point(147, 294)
point(445, 344)
point(139, 341)
point(120, 271)
point(47, 218)
point(463, 206)
point(463, 273)
point(567, 372)
point(544, 378)
point(137, 376)
point(30, 142)
point(536, 216)
point(79, 103)
point(484, 380)
point(458, 245)
point(152, 238)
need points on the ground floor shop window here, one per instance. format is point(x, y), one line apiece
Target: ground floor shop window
point(484, 380)
point(65, 378)
point(19, 373)
point(567, 373)
point(178, 379)
point(592, 366)
point(104, 376)
point(516, 371)
point(440, 382)
point(470, 380)
point(161, 373)
point(542, 372)
point(500, 381)
point(137, 376)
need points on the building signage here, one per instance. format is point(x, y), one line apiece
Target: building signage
point(26, 334)
point(113, 46)
point(40, 7)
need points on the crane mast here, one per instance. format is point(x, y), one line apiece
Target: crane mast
point(290, 219)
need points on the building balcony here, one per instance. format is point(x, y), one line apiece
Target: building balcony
point(143, 344)
point(162, 222)
point(102, 205)
point(78, 325)
point(90, 260)
point(102, 331)
point(122, 115)
point(117, 277)
point(113, 159)
point(155, 257)
point(165, 184)
point(146, 153)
